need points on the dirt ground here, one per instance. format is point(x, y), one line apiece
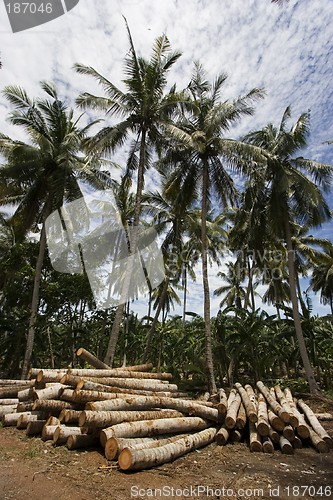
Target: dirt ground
point(33, 469)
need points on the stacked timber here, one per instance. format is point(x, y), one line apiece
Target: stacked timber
point(142, 420)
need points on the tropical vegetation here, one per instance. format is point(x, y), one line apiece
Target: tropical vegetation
point(247, 207)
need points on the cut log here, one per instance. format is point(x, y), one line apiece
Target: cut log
point(48, 431)
point(77, 441)
point(275, 421)
point(130, 459)
point(69, 416)
point(151, 402)
point(49, 375)
point(91, 359)
point(93, 386)
point(114, 446)
point(248, 404)
point(108, 373)
point(35, 427)
point(11, 382)
point(24, 406)
point(222, 435)
point(134, 383)
point(297, 443)
point(234, 402)
point(267, 445)
point(222, 405)
point(289, 433)
point(286, 446)
point(23, 420)
point(235, 436)
point(273, 435)
point(52, 392)
point(53, 406)
point(9, 401)
point(319, 444)
point(293, 420)
point(241, 418)
point(146, 428)
point(255, 438)
point(100, 419)
point(11, 391)
point(302, 428)
point(6, 409)
point(276, 407)
point(62, 433)
point(11, 419)
point(52, 421)
point(263, 423)
point(26, 394)
point(317, 427)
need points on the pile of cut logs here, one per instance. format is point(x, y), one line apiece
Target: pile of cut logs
point(141, 419)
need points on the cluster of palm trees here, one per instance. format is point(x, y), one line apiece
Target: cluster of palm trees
point(198, 209)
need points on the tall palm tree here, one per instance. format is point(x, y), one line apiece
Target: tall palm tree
point(292, 188)
point(234, 293)
point(143, 107)
point(41, 175)
point(198, 151)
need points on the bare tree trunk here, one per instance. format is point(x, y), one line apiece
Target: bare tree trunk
point(109, 357)
point(208, 333)
point(152, 329)
point(297, 320)
point(34, 305)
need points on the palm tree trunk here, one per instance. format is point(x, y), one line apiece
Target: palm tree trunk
point(297, 320)
point(109, 356)
point(204, 244)
point(185, 294)
point(34, 305)
point(151, 332)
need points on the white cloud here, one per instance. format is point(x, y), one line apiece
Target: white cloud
point(287, 50)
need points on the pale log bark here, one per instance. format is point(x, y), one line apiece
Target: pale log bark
point(52, 392)
point(22, 422)
point(11, 391)
point(114, 446)
point(52, 421)
point(50, 375)
point(100, 419)
point(286, 446)
point(222, 435)
point(62, 433)
point(142, 459)
point(267, 445)
point(146, 428)
point(274, 435)
point(48, 431)
point(14, 382)
point(148, 403)
point(263, 422)
point(25, 394)
point(9, 401)
point(222, 405)
point(91, 359)
point(255, 438)
point(53, 406)
point(241, 418)
point(248, 404)
point(10, 419)
point(69, 416)
point(293, 420)
point(317, 427)
point(6, 409)
point(318, 443)
point(289, 433)
point(234, 402)
point(24, 406)
point(276, 407)
point(112, 372)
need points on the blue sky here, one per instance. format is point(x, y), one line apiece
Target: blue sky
point(287, 50)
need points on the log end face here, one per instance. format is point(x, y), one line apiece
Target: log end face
point(111, 449)
point(125, 459)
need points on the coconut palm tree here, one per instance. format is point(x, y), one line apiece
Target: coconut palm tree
point(234, 293)
point(292, 188)
point(144, 106)
point(198, 152)
point(41, 175)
